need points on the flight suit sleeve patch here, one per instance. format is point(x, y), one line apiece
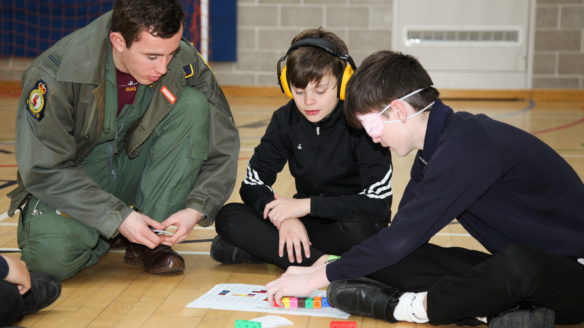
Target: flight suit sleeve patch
point(189, 71)
point(36, 102)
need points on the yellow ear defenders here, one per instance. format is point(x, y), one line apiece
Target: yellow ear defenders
point(344, 76)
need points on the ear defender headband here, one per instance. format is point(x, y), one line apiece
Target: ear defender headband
point(323, 44)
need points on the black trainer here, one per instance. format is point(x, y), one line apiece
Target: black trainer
point(224, 252)
point(45, 289)
point(531, 317)
point(364, 296)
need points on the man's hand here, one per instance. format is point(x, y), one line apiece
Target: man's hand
point(185, 220)
point(136, 228)
point(18, 274)
point(293, 234)
point(284, 208)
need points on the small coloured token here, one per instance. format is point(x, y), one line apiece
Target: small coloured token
point(343, 324)
point(316, 304)
point(324, 302)
point(309, 303)
point(301, 302)
point(293, 302)
point(247, 324)
point(286, 301)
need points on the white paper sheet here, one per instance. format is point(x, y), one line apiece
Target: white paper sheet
point(273, 321)
point(251, 298)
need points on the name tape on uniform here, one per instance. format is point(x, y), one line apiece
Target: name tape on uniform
point(168, 95)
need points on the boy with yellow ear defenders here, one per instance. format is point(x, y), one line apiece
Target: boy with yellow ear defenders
point(343, 180)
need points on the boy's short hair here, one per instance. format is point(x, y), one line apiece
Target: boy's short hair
point(308, 64)
point(161, 18)
point(383, 77)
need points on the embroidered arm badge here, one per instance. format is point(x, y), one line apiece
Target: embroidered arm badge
point(36, 101)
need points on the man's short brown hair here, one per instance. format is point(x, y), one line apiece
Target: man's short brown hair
point(161, 18)
point(383, 77)
point(311, 64)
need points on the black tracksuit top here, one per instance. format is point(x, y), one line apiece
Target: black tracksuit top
point(503, 184)
point(338, 167)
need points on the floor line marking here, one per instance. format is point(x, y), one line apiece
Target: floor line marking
point(561, 127)
point(117, 251)
point(527, 109)
point(5, 215)
point(571, 155)
point(452, 234)
point(180, 252)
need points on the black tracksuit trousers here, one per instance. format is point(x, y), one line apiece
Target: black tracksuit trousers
point(241, 226)
point(463, 284)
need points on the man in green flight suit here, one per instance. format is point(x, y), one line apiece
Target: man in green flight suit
point(120, 113)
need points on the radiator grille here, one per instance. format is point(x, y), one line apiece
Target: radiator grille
point(419, 36)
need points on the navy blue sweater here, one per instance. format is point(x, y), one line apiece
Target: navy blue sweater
point(504, 185)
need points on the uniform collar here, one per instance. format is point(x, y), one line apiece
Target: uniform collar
point(84, 62)
point(436, 122)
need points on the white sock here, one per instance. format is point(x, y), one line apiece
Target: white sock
point(411, 308)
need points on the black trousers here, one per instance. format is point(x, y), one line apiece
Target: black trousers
point(11, 303)
point(241, 226)
point(463, 284)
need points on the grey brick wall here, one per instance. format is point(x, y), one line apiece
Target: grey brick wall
point(558, 60)
point(265, 29)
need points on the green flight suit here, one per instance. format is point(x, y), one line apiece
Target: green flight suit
point(84, 166)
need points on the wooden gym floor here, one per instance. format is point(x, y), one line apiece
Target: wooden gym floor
point(114, 294)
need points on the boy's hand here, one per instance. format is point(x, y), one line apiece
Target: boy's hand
point(284, 208)
point(293, 233)
point(136, 227)
point(296, 285)
point(18, 274)
point(185, 220)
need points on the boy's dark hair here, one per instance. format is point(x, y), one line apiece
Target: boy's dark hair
point(161, 18)
point(308, 64)
point(383, 77)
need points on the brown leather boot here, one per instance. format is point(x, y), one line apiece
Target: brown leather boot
point(161, 259)
point(134, 254)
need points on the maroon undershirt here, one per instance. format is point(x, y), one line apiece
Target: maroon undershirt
point(127, 87)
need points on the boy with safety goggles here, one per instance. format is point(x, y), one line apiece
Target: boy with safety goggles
point(512, 192)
